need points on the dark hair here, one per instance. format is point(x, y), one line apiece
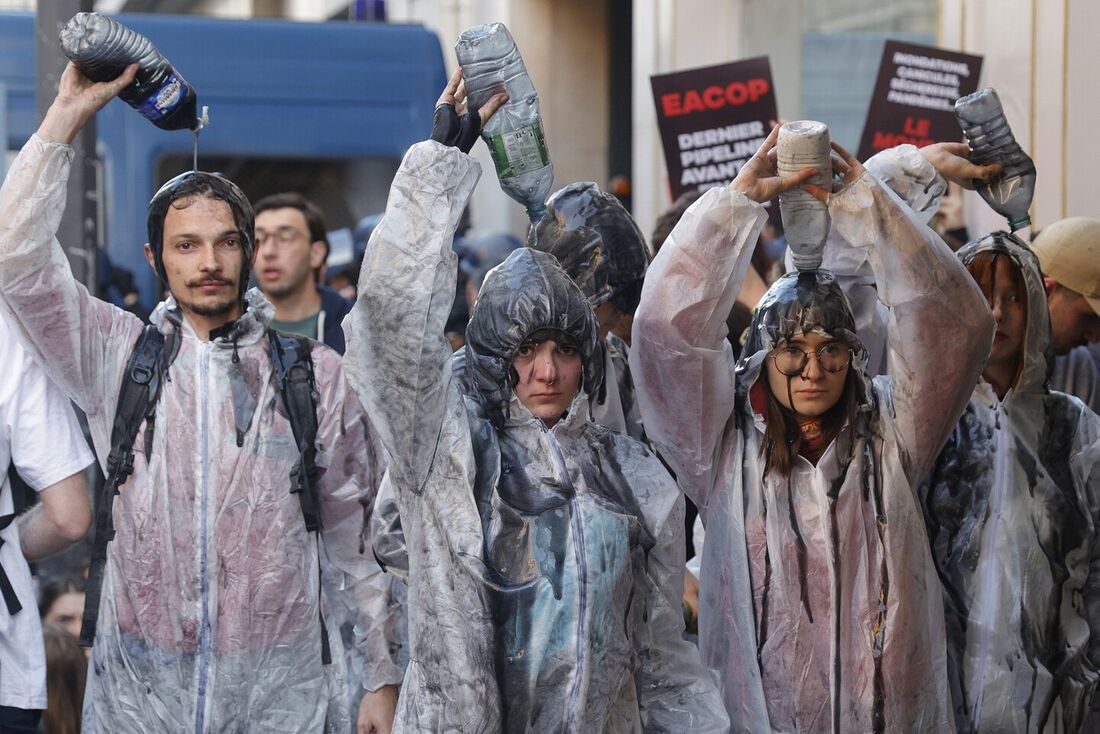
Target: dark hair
point(782, 437)
point(66, 672)
point(670, 218)
point(315, 219)
point(56, 588)
point(206, 186)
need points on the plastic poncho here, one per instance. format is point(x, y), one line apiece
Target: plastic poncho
point(1012, 507)
point(600, 246)
point(209, 619)
point(909, 175)
point(546, 565)
point(819, 602)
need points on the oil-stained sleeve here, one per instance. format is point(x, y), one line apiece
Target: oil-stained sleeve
point(354, 463)
point(939, 329)
point(81, 342)
point(398, 359)
point(681, 362)
point(676, 692)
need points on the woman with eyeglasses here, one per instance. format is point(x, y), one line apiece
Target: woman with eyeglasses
point(820, 607)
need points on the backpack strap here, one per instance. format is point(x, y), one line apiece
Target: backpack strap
point(22, 497)
point(291, 358)
point(141, 383)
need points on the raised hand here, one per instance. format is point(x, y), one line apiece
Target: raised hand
point(78, 99)
point(844, 163)
point(453, 124)
point(759, 180)
point(952, 161)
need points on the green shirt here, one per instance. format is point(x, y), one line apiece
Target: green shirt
point(305, 327)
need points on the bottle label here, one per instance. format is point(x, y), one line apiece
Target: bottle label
point(519, 151)
point(162, 102)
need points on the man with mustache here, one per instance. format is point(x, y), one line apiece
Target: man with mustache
point(211, 616)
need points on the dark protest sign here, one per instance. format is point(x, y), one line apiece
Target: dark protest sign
point(914, 98)
point(712, 120)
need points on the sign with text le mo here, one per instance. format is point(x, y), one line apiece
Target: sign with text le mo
point(914, 97)
point(712, 120)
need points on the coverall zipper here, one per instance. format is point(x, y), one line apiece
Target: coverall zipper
point(204, 582)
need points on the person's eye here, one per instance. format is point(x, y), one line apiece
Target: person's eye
point(831, 350)
point(791, 352)
point(232, 243)
point(524, 350)
point(567, 349)
point(184, 245)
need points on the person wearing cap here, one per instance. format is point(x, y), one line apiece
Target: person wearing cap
point(1069, 255)
point(210, 618)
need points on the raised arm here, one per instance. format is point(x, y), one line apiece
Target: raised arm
point(940, 326)
point(398, 359)
point(681, 362)
point(76, 338)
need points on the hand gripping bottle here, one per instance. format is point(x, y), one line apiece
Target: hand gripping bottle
point(991, 141)
point(102, 48)
point(491, 64)
point(805, 219)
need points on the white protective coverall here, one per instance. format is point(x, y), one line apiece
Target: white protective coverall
point(1012, 506)
point(909, 175)
point(819, 602)
point(546, 565)
point(209, 620)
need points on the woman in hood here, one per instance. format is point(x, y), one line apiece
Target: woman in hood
point(545, 552)
point(819, 603)
point(1012, 509)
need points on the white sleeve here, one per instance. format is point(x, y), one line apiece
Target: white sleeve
point(47, 444)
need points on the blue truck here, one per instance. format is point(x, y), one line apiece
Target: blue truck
point(326, 109)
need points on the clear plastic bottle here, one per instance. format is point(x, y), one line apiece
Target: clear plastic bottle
point(806, 220)
point(491, 64)
point(102, 48)
point(991, 141)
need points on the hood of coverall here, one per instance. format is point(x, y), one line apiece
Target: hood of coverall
point(528, 292)
point(580, 212)
point(1038, 357)
point(210, 185)
point(798, 303)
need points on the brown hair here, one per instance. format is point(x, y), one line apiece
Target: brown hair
point(66, 670)
point(983, 269)
point(782, 438)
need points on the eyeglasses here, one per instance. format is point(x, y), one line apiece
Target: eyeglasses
point(281, 236)
point(833, 357)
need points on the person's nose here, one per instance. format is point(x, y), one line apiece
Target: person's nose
point(265, 247)
point(812, 370)
point(998, 310)
point(546, 369)
point(209, 263)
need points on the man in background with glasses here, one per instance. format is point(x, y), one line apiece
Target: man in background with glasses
point(292, 246)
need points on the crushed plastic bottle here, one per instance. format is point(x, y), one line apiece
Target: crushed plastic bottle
point(806, 220)
point(991, 141)
point(102, 48)
point(491, 64)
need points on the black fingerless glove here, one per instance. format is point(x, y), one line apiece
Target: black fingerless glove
point(457, 132)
